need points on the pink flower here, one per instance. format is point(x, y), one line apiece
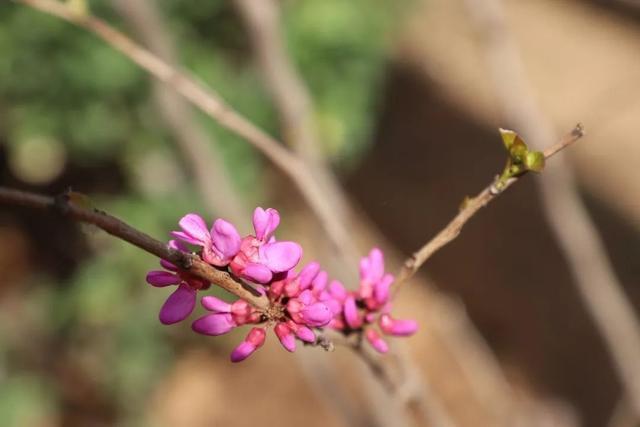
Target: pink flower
point(305, 309)
point(225, 316)
point(219, 245)
point(376, 341)
point(261, 256)
point(251, 343)
point(399, 328)
point(371, 303)
point(181, 302)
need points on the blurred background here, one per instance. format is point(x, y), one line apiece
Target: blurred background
point(406, 109)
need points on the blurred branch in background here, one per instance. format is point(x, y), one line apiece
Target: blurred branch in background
point(197, 148)
point(210, 103)
point(292, 101)
point(598, 286)
point(294, 105)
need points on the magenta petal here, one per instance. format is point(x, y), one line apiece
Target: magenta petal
point(214, 324)
point(305, 334)
point(257, 273)
point(351, 313)
point(265, 222)
point(334, 305)
point(162, 278)
point(177, 244)
point(194, 226)
point(179, 305)
point(381, 289)
point(225, 238)
point(307, 274)
point(280, 256)
point(372, 267)
point(376, 341)
point(212, 303)
point(337, 290)
point(401, 328)
point(306, 297)
point(251, 343)
point(169, 266)
point(186, 238)
point(242, 351)
point(317, 314)
point(286, 337)
point(320, 282)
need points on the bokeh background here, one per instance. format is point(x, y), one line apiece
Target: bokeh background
point(406, 113)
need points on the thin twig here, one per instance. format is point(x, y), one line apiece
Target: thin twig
point(470, 208)
point(65, 205)
point(587, 259)
point(293, 103)
point(213, 105)
point(211, 178)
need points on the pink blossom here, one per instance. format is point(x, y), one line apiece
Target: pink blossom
point(261, 256)
point(370, 304)
point(399, 328)
point(219, 245)
point(286, 336)
point(181, 302)
point(251, 343)
point(225, 316)
point(376, 340)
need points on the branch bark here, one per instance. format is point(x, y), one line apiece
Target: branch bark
point(196, 147)
point(470, 208)
point(65, 206)
point(587, 259)
point(213, 105)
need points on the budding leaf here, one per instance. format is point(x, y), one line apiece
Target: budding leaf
point(534, 161)
point(509, 137)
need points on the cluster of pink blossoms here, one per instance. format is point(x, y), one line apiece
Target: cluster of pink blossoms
point(299, 302)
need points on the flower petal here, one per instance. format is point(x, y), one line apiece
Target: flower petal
point(242, 351)
point(214, 304)
point(162, 278)
point(225, 238)
point(397, 327)
point(186, 238)
point(381, 289)
point(351, 313)
point(320, 282)
point(265, 222)
point(280, 256)
point(305, 334)
point(193, 225)
point(376, 341)
point(286, 337)
point(257, 273)
point(179, 305)
point(337, 290)
point(308, 274)
point(317, 314)
point(372, 267)
point(214, 324)
point(252, 342)
point(167, 265)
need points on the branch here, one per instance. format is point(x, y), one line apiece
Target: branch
point(207, 168)
point(66, 206)
point(470, 208)
point(575, 232)
point(213, 105)
point(294, 104)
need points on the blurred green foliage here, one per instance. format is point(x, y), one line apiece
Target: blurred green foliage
point(60, 83)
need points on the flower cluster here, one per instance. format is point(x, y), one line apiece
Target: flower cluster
point(299, 302)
